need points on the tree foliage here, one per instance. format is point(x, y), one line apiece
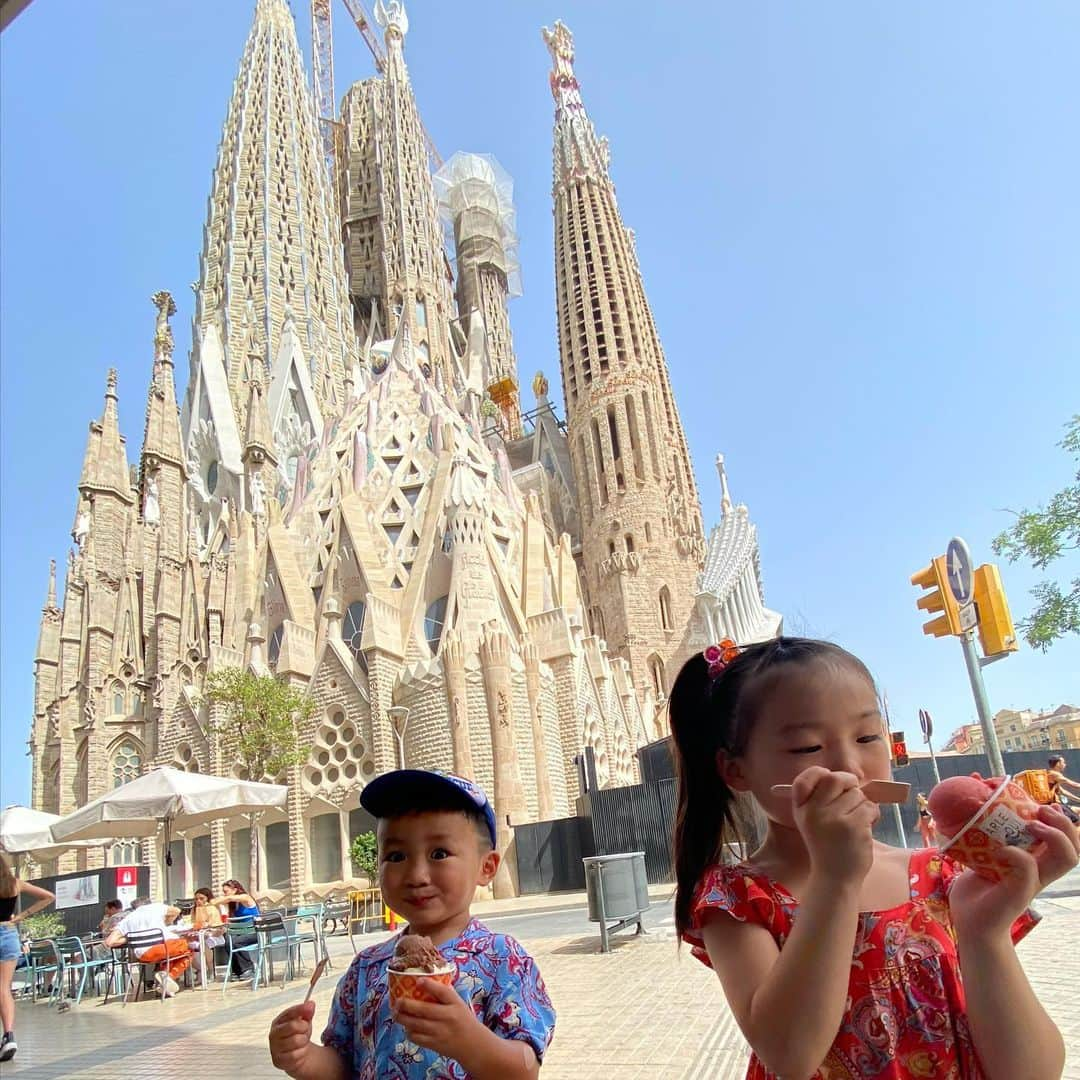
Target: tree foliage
point(365, 855)
point(45, 924)
point(260, 718)
point(1043, 536)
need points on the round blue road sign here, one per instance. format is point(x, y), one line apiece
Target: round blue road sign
point(958, 569)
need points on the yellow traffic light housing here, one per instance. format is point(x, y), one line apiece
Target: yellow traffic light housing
point(996, 631)
point(935, 577)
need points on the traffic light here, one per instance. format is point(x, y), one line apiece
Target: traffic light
point(996, 631)
point(935, 577)
point(899, 749)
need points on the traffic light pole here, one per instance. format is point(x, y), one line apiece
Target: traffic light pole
point(982, 702)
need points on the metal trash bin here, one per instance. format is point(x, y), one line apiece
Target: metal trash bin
point(617, 888)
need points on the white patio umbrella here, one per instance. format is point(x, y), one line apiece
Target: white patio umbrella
point(24, 831)
point(166, 797)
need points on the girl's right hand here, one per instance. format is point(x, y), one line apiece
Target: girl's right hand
point(836, 821)
point(290, 1037)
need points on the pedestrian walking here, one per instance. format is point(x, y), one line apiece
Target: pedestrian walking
point(841, 956)
point(927, 827)
point(11, 889)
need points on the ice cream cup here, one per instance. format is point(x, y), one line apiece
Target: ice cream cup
point(409, 984)
point(1001, 822)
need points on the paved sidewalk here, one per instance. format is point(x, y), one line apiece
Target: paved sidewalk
point(643, 1010)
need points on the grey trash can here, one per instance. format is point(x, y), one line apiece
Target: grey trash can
point(617, 889)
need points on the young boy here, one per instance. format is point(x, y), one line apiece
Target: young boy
point(436, 836)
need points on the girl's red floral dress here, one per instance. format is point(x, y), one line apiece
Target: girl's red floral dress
point(905, 1014)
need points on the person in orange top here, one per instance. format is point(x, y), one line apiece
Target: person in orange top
point(206, 916)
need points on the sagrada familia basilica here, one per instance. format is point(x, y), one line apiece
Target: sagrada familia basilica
point(351, 495)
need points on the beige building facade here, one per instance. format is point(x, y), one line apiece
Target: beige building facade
point(350, 498)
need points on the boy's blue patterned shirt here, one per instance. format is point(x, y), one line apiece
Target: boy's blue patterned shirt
point(494, 974)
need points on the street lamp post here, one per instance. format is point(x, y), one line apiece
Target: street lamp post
point(399, 718)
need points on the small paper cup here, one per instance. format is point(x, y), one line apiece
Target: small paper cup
point(409, 985)
point(1000, 823)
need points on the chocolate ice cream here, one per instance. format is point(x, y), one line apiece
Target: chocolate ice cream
point(416, 953)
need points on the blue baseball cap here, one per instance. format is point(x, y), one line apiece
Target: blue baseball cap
point(390, 794)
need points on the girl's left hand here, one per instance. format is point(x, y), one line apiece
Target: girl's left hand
point(984, 908)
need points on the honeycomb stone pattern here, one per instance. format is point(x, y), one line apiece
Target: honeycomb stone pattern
point(339, 757)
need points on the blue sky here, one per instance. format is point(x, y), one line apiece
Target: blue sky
point(858, 224)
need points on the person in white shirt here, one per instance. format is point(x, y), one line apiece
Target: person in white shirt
point(174, 952)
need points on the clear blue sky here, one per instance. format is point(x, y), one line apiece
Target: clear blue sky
point(858, 223)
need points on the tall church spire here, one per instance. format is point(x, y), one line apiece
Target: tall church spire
point(105, 466)
point(394, 247)
point(271, 245)
point(642, 535)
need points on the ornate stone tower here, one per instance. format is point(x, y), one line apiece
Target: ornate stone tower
point(394, 250)
point(271, 301)
point(642, 537)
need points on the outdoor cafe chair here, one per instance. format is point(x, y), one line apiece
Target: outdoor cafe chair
point(238, 934)
point(312, 915)
point(135, 967)
point(78, 961)
point(44, 959)
point(273, 934)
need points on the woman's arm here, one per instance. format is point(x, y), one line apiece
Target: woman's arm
point(44, 899)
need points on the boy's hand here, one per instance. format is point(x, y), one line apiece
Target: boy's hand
point(290, 1038)
point(447, 1025)
point(984, 909)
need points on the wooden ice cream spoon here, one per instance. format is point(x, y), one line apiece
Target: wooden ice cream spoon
point(879, 791)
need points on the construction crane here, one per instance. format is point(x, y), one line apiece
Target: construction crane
point(322, 75)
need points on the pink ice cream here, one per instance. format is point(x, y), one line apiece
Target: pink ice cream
point(954, 802)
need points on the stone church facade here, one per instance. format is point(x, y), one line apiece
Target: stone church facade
point(349, 496)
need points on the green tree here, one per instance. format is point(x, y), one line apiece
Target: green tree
point(1043, 536)
point(258, 721)
point(45, 924)
point(365, 855)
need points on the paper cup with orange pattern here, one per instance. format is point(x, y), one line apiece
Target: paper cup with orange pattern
point(409, 985)
point(1000, 823)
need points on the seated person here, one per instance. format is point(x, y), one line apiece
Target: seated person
point(242, 906)
point(114, 912)
point(205, 916)
point(174, 953)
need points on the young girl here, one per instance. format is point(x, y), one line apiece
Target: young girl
point(841, 956)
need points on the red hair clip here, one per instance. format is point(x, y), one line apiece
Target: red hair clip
point(719, 656)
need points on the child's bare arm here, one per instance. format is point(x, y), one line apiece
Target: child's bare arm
point(1013, 1034)
point(789, 1003)
point(292, 1050)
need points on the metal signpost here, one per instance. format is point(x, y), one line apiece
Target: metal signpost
point(927, 725)
point(961, 585)
point(967, 601)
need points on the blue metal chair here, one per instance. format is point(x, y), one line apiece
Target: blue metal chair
point(242, 940)
point(274, 935)
point(77, 960)
point(43, 959)
point(312, 933)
